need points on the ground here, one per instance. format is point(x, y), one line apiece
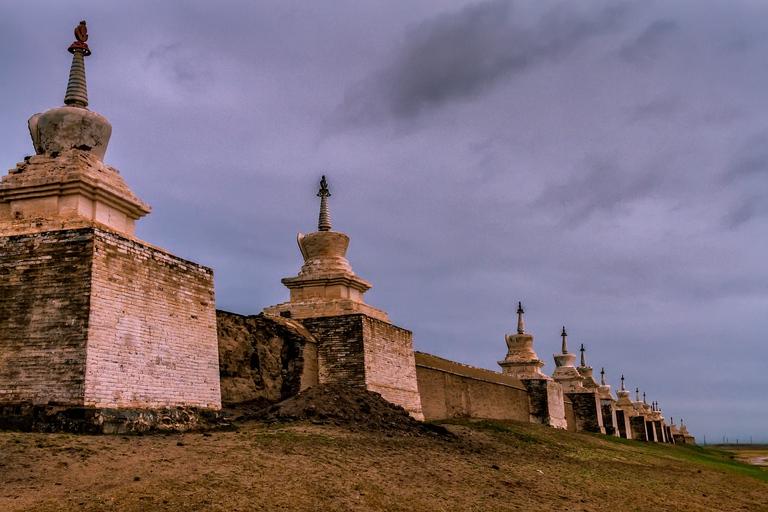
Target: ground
point(309, 466)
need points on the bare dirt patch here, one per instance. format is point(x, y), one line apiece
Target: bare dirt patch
point(355, 408)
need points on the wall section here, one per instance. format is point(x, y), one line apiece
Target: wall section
point(44, 301)
point(454, 390)
point(390, 368)
point(152, 329)
point(263, 358)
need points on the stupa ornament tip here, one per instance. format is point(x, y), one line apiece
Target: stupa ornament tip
point(565, 344)
point(324, 222)
point(77, 92)
point(520, 326)
point(583, 360)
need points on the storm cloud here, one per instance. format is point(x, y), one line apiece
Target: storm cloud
point(462, 54)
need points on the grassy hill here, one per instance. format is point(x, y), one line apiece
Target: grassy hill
point(316, 466)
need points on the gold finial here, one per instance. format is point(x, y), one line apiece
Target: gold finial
point(81, 36)
point(81, 32)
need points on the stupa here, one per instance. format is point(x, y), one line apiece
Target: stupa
point(565, 372)
point(91, 316)
point(66, 183)
point(604, 389)
point(683, 436)
point(326, 284)
point(545, 397)
point(623, 398)
point(587, 411)
point(608, 406)
point(521, 361)
point(586, 373)
point(356, 343)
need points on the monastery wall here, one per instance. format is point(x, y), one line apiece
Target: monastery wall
point(362, 351)
point(45, 281)
point(587, 412)
point(570, 416)
point(390, 369)
point(453, 390)
point(340, 354)
point(263, 358)
point(152, 328)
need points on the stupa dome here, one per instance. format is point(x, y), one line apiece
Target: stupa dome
point(72, 126)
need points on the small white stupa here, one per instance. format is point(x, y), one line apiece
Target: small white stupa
point(586, 372)
point(521, 361)
point(604, 390)
point(326, 284)
point(565, 372)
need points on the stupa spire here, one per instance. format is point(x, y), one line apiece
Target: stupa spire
point(637, 394)
point(644, 401)
point(602, 376)
point(565, 344)
point(77, 92)
point(520, 326)
point(583, 359)
point(324, 222)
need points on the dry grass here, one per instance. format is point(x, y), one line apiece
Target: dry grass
point(303, 467)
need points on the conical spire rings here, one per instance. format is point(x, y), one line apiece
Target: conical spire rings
point(324, 222)
point(77, 91)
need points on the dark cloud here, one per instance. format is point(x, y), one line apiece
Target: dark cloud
point(604, 187)
point(649, 44)
point(748, 176)
point(459, 55)
point(751, 160)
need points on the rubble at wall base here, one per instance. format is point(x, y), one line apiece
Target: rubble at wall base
point(93, 420)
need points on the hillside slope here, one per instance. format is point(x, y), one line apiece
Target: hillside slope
point(311, 465)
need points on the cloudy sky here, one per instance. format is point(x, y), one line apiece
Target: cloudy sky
point(605, 162)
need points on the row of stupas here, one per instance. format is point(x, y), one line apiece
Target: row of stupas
point(94, 319)
point(595, 409)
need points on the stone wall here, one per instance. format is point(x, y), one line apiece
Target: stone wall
point(453, 390)
point(340, 356)
point(609, 416)
point(390, 366)
point(622, 424)
point(637, 427)
point(45, 283)
point(587, 412)
point(263, 358)
point(546, 405)
point(570, 417)
point(362, 351)
point(152, 333)
point(92, 318)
